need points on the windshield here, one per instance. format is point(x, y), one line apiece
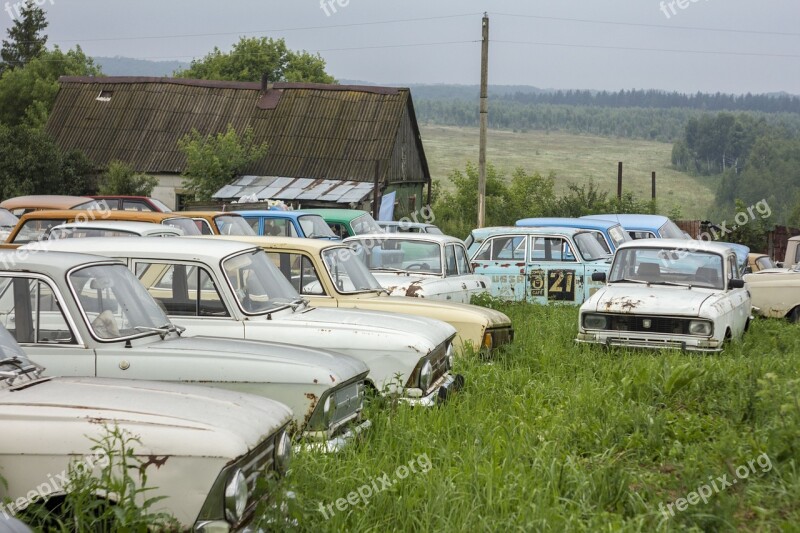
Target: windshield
point(116, 306)
point(315, 227)
point(186, 224)
point(348, 272)
point(259, 286)
point(233, 225)
point(365, 224)
point(670, 230)
point(34, 229)
point(618, 235)
point(590, 249)
point(668, 265)
point(7, 219)
point(399, 254)
point(161, 205)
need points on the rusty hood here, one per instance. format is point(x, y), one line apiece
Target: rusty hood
point(649, 300)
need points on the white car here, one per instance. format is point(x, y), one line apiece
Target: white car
point(421, 265)
point(233, 290)
point(84, 315)
point(205, 450)
point(110, 228)
point(668, 293)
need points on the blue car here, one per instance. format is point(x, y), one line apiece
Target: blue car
point(541, 265)
point(608, 234)
point(661, 227)
point(276, 222)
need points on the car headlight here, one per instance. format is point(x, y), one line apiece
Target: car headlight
point(700, 327)
point(236, 495)
point(328, 409)
point(450, 356)
point(425, 374)
point(594, 321)
point(283, 453)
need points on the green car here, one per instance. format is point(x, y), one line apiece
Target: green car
point(347, 222)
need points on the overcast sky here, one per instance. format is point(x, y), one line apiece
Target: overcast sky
point(762, 54)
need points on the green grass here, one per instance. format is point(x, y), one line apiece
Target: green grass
point(574, 159)
point(554, 436)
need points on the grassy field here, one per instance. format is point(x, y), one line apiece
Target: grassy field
point(574, 159)
point(558, 437)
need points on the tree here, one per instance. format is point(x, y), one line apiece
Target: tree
point(252, 57)
point(27, 93)
point(120, 178)
point(25, 39)
point(212, 161)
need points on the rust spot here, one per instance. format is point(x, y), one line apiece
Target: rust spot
point(159, 461)
point(625, 303)
point(311, 396)
point(413, 289)
point(311, 407)
point(333, 379)
point(94, 420)
point(315, 380)
point(519, 264)
point(506, 265)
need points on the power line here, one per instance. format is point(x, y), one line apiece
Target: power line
point(641, 25)
point(670, 50)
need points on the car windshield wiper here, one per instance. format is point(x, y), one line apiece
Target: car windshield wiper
point(294, 304)
point(389, 269)
point(671, 283)
point(626, 280)
point(162, 331)
point(21, 368)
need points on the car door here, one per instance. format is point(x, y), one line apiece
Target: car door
point(32, 310)
point(191, 296)
point(553, 271)
point(471, 284)
point(740, 299)
point(502, 259)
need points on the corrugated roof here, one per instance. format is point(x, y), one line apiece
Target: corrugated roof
point(277, 188)
point(313, 130)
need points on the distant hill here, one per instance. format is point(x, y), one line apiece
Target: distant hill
point(126, 66)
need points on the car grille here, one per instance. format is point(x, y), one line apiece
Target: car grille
point(439, 364)
point(649, 324)
point(349, 400)
point(501, 336)
point(256, 465)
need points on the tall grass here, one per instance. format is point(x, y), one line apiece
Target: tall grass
point(553, 436)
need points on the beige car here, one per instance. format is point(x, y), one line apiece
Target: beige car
point(775, 293)
point(329, 274)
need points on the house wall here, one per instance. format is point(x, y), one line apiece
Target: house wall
point(169, 186)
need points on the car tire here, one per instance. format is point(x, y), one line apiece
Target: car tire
point(794, 315)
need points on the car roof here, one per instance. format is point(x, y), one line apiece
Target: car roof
point(524, 230)
point(53, 264)
point(94, 214)
point(44, 201)
point(442, 239)
point(122, 225)
point(405, 224)
point(632, 221)
point(273, 213)
point(181, 248)
point(580, 223)
point(311, 245)
point(682, 244)
point(337, 215)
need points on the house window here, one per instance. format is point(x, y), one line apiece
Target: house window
point(104, 96)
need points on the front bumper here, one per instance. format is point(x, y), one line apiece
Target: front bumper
point(631, 340)
point(447, 385)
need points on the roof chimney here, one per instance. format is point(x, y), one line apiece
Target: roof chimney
point(264, 82)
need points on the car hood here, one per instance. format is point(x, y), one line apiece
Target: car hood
point(423, 334)
point(406, 284)
point(331, 367)
point(652, 300)
point(233, 420)
point(445, 310)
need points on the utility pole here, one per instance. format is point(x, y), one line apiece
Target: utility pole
point(619, 181)
point(484, 123)
point(653, 177)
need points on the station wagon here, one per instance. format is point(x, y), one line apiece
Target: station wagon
point(540, 265)
point(84, 315)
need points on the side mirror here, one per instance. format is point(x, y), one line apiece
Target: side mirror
point(736, 284)
point(779, 264)
point(599, 276)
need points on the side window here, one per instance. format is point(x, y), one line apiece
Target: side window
point(339, 229)
point(253, 221)
point(551, 249)
point(182, 290)
point(451, 267)
point(300, 271)
point(462, 261)
point(635, 235)
point(733, 267)
point(276, 227)
point(134, 205)
point(204, 227)
point(502, 248)
point(30, 311)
